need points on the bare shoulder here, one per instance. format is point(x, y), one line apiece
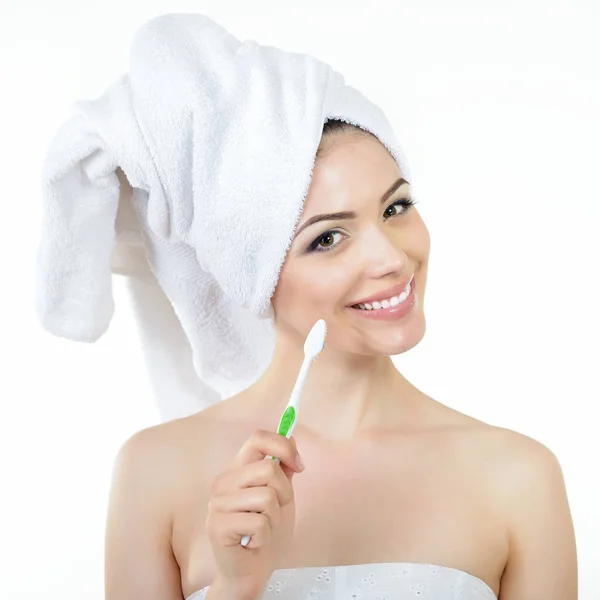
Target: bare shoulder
point(145, 471)
point(150, 475)
point(168, 449)
point(530, 494)
point(524, 468)
point(509, 447)
point(175, 459)
point(517, 456)
point(513, 459)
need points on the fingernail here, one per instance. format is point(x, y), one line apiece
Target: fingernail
point(299, 462)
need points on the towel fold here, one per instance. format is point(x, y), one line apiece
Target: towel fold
point(188, 175)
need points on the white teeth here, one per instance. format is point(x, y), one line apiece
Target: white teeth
point(393, 301)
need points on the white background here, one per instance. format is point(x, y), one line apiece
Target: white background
point(496, 105)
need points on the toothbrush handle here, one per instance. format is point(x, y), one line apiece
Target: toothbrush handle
point(288, 420)
point(294, 401)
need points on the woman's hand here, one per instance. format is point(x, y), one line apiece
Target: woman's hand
point(253, 497)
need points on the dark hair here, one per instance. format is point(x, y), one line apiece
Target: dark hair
point(335, 126)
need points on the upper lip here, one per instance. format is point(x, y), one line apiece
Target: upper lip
point(395, 290)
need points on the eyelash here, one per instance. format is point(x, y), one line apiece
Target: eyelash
point(407, 203)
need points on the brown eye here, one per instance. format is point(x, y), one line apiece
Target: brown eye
point(406, 204)
point(326, 240)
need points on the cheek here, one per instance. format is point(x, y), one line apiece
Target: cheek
point(422, 239)
point(320, 285)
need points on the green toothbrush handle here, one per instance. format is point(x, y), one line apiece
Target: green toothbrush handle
point(286, 424)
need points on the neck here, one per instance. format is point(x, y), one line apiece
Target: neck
point(344, 394)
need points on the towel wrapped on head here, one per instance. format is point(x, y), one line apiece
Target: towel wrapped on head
point(188, 175)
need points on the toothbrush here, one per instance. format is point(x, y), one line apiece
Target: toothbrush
point(315, 341)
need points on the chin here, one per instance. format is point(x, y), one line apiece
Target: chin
point(398, 339)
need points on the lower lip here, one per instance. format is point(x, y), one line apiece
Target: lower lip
point(393, 312)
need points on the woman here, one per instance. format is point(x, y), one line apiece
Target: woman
point(451, 504)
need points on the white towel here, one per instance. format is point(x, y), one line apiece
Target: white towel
point(188, 175)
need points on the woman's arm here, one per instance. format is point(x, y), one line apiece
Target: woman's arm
point(139, 562)
point(542, 559)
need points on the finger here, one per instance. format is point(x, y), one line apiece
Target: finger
point(268, 443)
point(255, 475)
point(259, 499)
point(227, 529)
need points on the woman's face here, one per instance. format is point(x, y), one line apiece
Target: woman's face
point(337, 262)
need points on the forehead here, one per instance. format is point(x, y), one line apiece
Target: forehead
point(352, 168)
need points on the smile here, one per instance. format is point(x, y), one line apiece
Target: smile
point(385, 302)
point(388, 308)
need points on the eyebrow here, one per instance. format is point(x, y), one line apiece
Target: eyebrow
point(348, 214)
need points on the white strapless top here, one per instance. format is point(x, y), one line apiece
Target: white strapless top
point(377, 581)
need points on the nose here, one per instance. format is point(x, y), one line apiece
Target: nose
point(383, 254)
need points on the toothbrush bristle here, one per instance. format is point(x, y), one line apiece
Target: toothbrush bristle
point(315, 341)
